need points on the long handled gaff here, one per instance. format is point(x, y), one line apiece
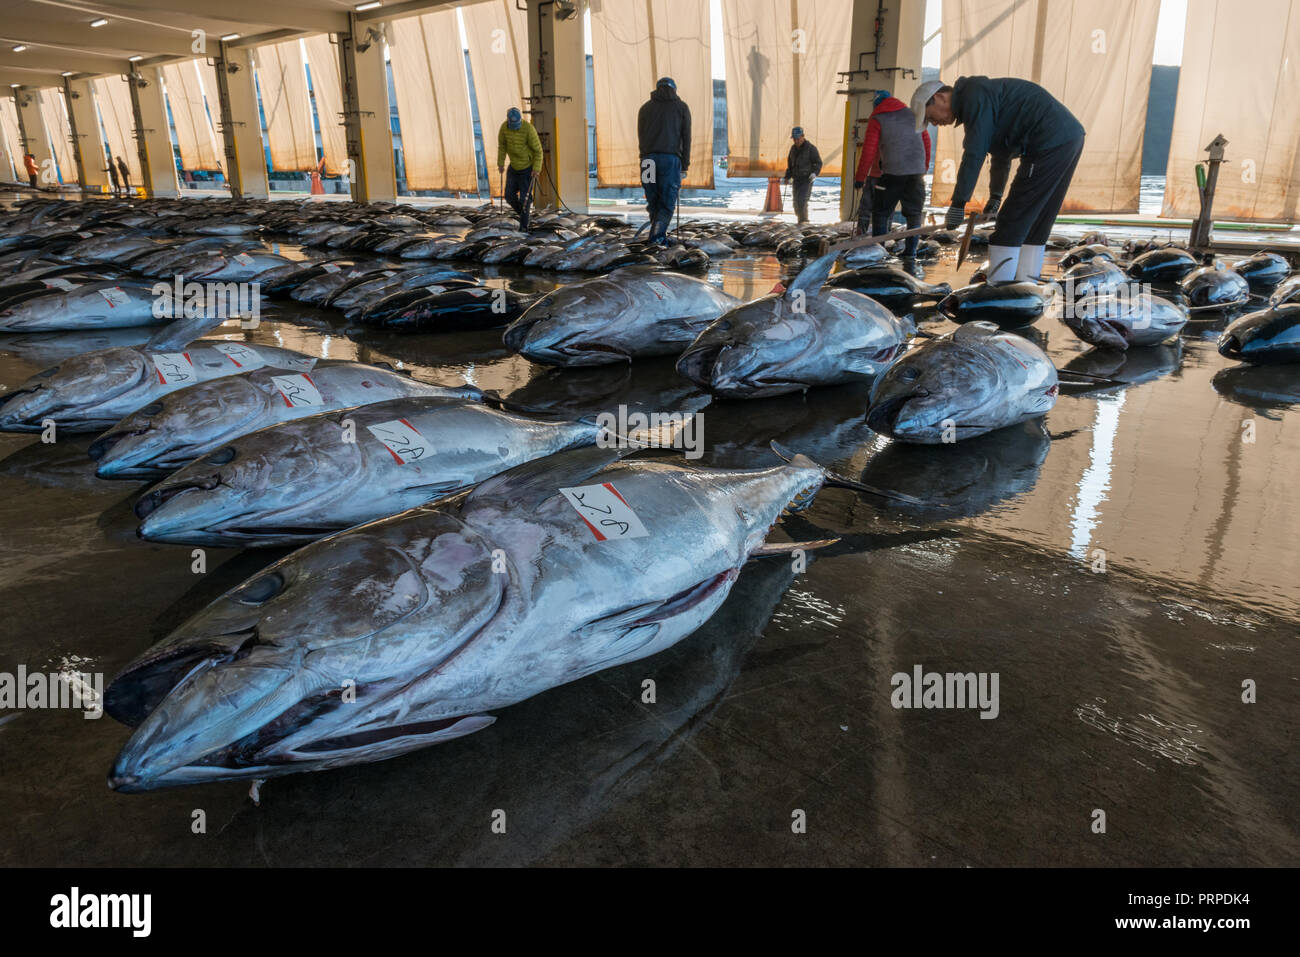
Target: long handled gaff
point(501, 182)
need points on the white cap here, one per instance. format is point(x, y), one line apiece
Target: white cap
point(921, 96)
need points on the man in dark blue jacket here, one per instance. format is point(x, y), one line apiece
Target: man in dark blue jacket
point(1002, 118)
point(664, 136)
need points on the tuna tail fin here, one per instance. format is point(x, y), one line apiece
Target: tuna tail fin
point(181, 332)
point(843, 482)
point(813, 276)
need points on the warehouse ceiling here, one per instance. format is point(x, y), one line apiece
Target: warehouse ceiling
point(56, 36)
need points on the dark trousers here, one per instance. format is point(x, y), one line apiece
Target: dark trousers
point(32, 178)
point(1036, 195)
point(661, 175)
point(518, 182)
point(890, 191)
point(800, 192)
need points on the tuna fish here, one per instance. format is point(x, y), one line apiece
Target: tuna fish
point(1097, 276)
point(108, 304)
point(1010, 305)
point(440, 309)
point(1166, 265)
point(1288, 291)
point(183, 425)
point(1262, 270)
point(92, 391)
point(1214, 287)
point(892, 287)
point(437, 616)
point(1120, 321)
point(972, 381)
point(300, 480)
point(1083, 254)
point(792, 342)
point(631, 313)
point(1270, 335)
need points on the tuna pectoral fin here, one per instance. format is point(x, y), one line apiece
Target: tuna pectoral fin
point(843, 482)
point(525, 485)
point(812, 276)
point(1067, 375)
point(787, 548)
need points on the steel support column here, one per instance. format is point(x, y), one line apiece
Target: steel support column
point(239, 123)
point(557, 103)
point(364, 77)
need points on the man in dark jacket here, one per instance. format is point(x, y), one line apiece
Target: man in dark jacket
point(664, 134)
point(125, 173)
point(1006, 117)
point(894, 160)
point(801, 167)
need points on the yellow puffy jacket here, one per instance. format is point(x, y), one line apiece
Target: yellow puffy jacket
point(521, 145)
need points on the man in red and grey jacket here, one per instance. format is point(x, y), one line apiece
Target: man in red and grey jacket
point(893, 162)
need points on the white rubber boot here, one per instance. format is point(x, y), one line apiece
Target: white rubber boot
point(1003, 262)
point(1031, 263)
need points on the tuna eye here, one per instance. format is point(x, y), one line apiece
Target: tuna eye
point(153, 408)
point(911, 372)
point(260, 589)
point(222, 456)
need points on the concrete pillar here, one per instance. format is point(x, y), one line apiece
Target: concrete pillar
point(153, 139)
point(364, 77)
point(87, 144)
point(32, 127)
point(239, 123)
point(890, 61)
point(557, 102)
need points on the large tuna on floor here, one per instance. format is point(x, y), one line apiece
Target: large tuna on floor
point(631, 313)
point(106, 304)
point(811, 335)
point(1120, 321)
point(91, 391)
point(1262, 270)
point(300, 480)
point(972, 381)
point(1009, 305)
point(1214, 287)
point(1270, 335)
point(1168, 264)
point(170, 432)
point(894, 288)
point(409, 631)
point(436, 308)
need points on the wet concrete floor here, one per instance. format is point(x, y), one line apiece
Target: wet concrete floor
point(1123, 569)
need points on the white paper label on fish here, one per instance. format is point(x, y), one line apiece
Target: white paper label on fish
point(660, 290)
point(243, 259)
point(57, 283)
point(435, 289)
point(605, 511)
point(331, 267)
point(115, 297)
point(241, 355)
point(402, 440)
point(174, 367)
point(298, 390)
point(477, 293)
point(305, 363)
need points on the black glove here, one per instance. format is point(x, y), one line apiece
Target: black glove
point(858, 184)
point(992, 206)
point(955, 216)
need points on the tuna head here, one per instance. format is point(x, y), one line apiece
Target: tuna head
point(170, 431)
point(330, 657)
point(942, 391)
point(742, 353)
point(72, 389)
point(296, 472)
point(567, 327)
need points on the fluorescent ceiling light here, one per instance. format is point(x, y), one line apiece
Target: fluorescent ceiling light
point(134, 58)
point(14, 86)
point(369, 6)
point(98, 23)
point(20, 48)
point(66, 73)
point(229, 36)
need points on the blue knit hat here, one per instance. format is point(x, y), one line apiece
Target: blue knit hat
point(514, 119)
point(880, 97)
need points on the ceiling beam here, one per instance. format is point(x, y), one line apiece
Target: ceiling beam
point(30, 80)
point(260, 15)
point(116, 37)
point(45, 60)
point(392, 11)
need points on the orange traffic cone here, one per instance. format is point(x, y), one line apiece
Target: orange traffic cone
point(317, 187)
point(773, 203)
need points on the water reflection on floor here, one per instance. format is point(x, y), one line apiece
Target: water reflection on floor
point(1123, 566)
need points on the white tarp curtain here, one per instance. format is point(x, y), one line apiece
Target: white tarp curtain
point(11, 146)
point(633, 44)
point(323, 59)
point(194, 133)
point(783, 61)
point(282, 80)
point(58, 132)
point(433, 102)
point(114, 99)
point(1094, 57)
point(497, 34)
point(1238, 77)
